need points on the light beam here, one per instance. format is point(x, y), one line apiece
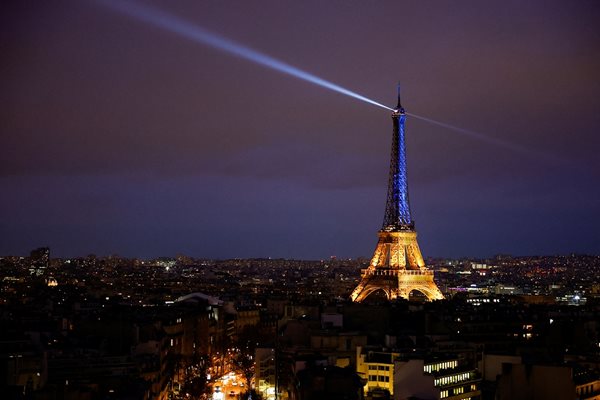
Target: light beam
point(472, 134)
point(193, 32)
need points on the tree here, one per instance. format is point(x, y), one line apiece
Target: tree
point(244, 364)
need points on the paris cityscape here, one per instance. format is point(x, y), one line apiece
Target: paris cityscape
point(115, 327)
point(210, 201)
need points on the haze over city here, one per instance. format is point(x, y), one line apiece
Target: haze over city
point(119, 136)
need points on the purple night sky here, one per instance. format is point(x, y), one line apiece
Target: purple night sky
point(118, 137)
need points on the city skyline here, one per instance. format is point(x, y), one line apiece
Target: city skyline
point(120, 137)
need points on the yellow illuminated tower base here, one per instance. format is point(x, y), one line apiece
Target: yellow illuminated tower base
point(397, 268)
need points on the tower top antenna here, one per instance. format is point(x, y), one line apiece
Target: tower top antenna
point(398, 110)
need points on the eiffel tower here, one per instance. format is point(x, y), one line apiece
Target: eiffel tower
point(397, 267)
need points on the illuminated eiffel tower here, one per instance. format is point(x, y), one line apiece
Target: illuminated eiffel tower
point(397, 267)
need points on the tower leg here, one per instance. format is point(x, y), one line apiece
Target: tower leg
point(397, 268)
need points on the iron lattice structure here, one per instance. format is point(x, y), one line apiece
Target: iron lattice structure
point(397, 267)
point(397, 207)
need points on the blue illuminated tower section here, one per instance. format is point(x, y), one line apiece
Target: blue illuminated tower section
point(397, 209)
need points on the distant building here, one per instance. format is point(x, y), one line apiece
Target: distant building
point(435, 379)
point(507, 289)
point(22, 367)
point(377, 368)
point(537, 381)
point(39, 261)
point(420, 378)
point(331, 383)
point(246, 317)
point(264, 373)
point(587, 384)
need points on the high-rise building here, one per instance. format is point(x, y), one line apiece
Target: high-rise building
point(39, 261)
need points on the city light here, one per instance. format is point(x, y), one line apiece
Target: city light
point(264, 323)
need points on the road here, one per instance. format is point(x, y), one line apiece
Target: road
point(228, 387)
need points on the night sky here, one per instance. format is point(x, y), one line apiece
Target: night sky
point(119, 137)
